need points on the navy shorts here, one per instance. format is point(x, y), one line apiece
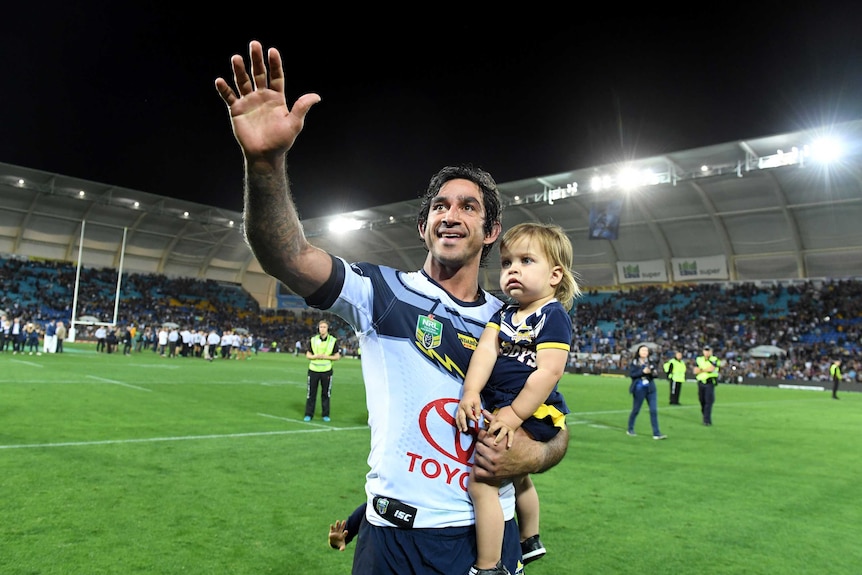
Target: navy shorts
point(442, 551)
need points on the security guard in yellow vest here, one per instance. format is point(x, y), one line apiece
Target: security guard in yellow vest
point(706, 373)
point(322, 351)
point(674, 368)
point(835, 374)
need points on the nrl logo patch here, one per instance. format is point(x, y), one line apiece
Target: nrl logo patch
point(381, 505)
point(428, 331)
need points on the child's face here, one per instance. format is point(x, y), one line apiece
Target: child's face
point(527, 274)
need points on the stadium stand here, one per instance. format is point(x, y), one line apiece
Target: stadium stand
point(757, 229)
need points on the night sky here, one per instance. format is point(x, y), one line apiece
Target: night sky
point(105, 93)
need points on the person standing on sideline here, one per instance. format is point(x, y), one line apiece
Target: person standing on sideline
point(297, 348)
point(32, 333)
point(226, 344)
point(642, 372)
point(213, 343)
point(101, 339)
point(675, 370)
point(5, 327)
point(61, 335)
point(322, 351)
point(706, 373)
point(162, 345)
point(514, 373)
point(417, 331)
point(127, 337)
point(835, 374)
point(49, 342)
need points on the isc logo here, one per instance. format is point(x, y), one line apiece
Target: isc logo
point(402, 515)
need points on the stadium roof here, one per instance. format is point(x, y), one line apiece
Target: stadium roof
point(752, 210)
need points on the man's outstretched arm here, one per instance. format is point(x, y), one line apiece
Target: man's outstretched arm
point(266, 129)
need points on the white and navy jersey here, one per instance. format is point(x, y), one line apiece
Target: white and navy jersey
point(416, 342)
point(548, 327)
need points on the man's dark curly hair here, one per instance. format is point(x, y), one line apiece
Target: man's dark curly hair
point(490, 196)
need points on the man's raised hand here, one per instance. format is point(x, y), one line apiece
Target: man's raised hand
point(262, 124)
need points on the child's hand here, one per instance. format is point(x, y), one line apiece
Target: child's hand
point(337, 535)
point(504, 425)
point(469, 410)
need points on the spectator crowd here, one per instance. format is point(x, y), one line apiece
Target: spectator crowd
point(811, 321)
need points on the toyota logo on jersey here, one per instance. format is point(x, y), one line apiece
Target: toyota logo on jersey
point(437, 422)
point(454, 449)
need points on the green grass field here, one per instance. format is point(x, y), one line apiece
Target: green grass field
point(113, 464)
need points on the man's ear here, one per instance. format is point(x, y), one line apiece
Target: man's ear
point(495, 232)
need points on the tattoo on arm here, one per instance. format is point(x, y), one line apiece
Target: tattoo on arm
point(271, 224)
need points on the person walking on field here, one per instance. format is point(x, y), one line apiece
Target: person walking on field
point(642, 372)
point(675, 370)
point(417, 330)
point(835, 374)
point(322, 351)
point(706, 373)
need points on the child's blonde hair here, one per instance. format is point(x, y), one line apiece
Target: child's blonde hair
point(557, 248)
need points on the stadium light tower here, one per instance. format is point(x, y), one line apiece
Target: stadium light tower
point(827, 150)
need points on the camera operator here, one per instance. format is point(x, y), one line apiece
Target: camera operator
point(642, 372)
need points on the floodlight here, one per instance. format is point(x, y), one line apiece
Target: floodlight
point(628, 179)
point(340, 225)
point(826, 150)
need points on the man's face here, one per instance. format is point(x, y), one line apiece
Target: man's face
point(322, 329)
point(454, 233)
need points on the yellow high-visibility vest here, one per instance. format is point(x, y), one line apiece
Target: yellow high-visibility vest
point(321, 347)
point(707, 376)
point(675, 368)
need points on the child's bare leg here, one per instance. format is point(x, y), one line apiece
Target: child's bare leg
point(489, 522)
point(527, 507)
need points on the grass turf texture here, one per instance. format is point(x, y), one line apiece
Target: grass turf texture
point(113, 464)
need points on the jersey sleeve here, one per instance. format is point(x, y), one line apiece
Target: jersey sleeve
point(555, 329)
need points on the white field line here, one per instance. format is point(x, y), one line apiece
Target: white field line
point(573, 419)
point(325, 425)
point(180, 438)
point(30, 363)
point(153, 366)
point(582, 417)
point(115, 382)
point(275, 383)
point(688, 406)
point(163, 382)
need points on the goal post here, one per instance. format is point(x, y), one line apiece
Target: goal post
point(89, 320)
